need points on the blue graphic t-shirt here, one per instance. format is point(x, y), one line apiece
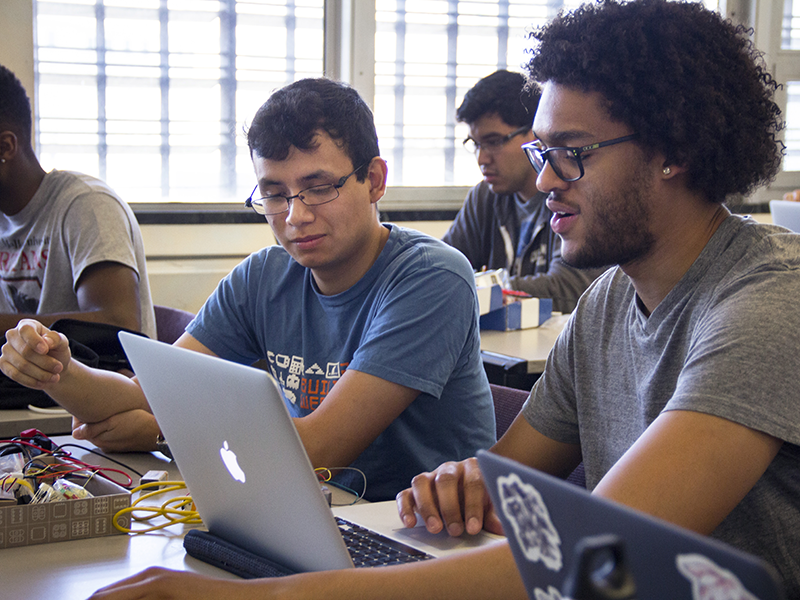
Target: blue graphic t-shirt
point(411, 320)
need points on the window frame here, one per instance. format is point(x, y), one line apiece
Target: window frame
point(349, 55)
point(767, 21)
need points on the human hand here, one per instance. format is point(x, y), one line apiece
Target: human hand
point(34, 356)
point(162, 584)
point(129, 431)
point(793, 196)
point(452, 496)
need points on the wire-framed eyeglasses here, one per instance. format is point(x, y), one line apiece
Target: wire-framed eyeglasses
point(493, 143)
point(315, 195)
point(565, 161)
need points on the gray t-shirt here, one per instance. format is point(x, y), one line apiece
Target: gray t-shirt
point(73, 221)
point(722, 342)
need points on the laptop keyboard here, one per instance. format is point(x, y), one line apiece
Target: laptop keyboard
point(370, 549)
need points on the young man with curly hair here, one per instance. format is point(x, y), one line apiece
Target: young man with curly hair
point(672, 381)
point(504, 222)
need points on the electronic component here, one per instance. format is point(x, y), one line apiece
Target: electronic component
point(154, 476)
point(327, 493)
point(7, 497)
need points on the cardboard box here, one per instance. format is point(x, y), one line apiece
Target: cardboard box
point(31, 524)
point(523, 313)
point(489, 298)
point(488, 284)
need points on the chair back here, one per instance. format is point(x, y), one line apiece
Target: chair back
point(507, 404)
point(171, 322)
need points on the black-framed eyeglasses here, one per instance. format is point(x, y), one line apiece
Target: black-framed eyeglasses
point(493, 143)
point(565, 161)
point(313, 196)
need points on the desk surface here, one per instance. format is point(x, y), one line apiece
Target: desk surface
point(14, 421)
point(75, 569)
point(532, 345)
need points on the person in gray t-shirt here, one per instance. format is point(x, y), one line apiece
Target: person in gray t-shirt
point(674, 381)
point(69, 246)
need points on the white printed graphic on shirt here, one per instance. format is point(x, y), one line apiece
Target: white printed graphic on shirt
point(526, 511)
point(709, 580)
point(304, 387)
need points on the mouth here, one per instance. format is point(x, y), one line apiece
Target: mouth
point(563, 216)
point(559, 209)
point(307, 241)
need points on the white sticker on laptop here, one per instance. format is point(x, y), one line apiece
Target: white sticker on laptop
point(709, 580)
point(551, 594)
point(524, 508)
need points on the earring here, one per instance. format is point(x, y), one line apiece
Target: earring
point(667, 171)
point(2, 160)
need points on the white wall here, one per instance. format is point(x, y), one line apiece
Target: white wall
point(16, 40)
point(185, 262)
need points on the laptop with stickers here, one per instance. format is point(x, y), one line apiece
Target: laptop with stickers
point(568, 543)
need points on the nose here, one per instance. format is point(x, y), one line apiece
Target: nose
point(547, 180)
point(298, 213)
point(484, 156)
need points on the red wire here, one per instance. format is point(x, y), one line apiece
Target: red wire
point(67, 457)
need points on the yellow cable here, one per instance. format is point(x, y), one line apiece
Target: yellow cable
point(172, 514)
point(11, 479)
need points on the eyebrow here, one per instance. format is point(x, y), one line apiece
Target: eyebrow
point(311, 177)
point(492, 135)
point(565, 138)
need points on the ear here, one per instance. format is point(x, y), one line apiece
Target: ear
point(9, 145)
point(670, 170)
point(376, 176)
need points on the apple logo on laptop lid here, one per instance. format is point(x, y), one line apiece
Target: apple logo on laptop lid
point(231, 462)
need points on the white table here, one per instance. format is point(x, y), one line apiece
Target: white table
point(531, 345)
point(75, 569)
point(522, 353)
point(14, 421)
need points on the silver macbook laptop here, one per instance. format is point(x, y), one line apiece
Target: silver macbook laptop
point(236, 447)
point(568, 543)
point(786, 214)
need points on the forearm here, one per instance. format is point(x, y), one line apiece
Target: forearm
point(93, 395)
point(484, 573)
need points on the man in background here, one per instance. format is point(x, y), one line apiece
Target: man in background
point(504, 223)
point(69, 246)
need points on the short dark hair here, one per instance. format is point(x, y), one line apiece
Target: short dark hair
point(293, 114)
point(690, 84)
point(15, 106)
point(503, 93)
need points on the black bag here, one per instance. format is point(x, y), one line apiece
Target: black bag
point(93, 344)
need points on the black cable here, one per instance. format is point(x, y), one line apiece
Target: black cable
point(98, 453)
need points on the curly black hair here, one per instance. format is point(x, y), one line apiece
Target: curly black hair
point(504, 93)
point(293, 114)
point(690, 84)
point(15, 106)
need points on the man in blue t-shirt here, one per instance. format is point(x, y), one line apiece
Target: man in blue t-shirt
point(370, 329)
